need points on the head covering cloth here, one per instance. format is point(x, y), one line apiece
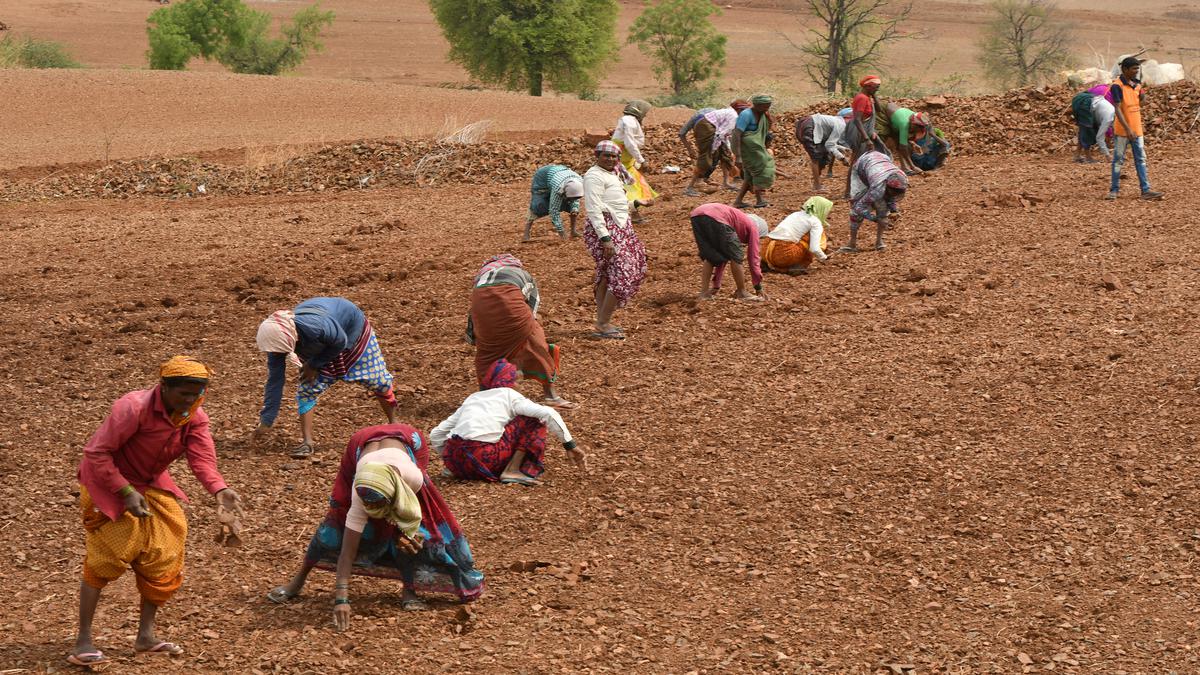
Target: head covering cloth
point(386, 497)
point(761, 99)
point(740, 104)
point(192, 369)
point(638, 108)
point(870, 79)
point(572, 188)
point(502, 374)
point(277, 333)
point(761, 223)
point(496, 262)
point(897, 181)
point(609, 147)
point(819, 207)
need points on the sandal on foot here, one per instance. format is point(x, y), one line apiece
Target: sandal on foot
point(559, 403)
point(880, 247)
point(303, 450)
point(608, 335)
point(413, 605)
point(280, 596)
point(848, 249)
point(691, 193)
point(168, 648)
point(761, 205)
point(527, 481)
point(739, 205)
point(87, 659)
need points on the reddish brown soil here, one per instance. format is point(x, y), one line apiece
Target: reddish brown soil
point(962, 454)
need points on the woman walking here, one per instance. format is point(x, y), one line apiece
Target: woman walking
point(617, 251)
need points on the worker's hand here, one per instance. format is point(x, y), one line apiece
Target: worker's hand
point(260, 434)
point(844, 161)
point(409, 545)
point(609, 249)
point(578, 457)
point(230, 502)
point(884, 223)
point(307, 373)
point(136, 505)
point(645, 167)
point(341, 616)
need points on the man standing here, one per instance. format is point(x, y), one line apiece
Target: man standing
point(130, 505)
point(1127, 96)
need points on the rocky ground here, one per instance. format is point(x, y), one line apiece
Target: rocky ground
point(973, 452)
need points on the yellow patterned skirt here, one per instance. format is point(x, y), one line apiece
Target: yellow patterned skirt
point(152, 546)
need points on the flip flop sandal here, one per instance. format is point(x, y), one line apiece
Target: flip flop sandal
point(608, 335)
point(167, 648)
point(413, 605)
point(280, 596)
point(847, 249)
point(88, 660)
point(524, 480)
point(691, 193)
point(739, 205)
point(303, 450)
point(881, 247)
point(762, 205)
point(559, 403)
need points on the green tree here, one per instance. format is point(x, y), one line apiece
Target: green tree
point(680, 37)
point(531, 44)
point(232, 34)
point(1024, 42)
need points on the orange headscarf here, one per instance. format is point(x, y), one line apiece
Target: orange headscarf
point(185, 366)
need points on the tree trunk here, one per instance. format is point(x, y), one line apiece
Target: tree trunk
point(535, 79)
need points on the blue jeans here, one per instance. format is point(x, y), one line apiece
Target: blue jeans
point(1139, 161)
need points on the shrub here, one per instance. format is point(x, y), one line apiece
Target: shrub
point(28, 52)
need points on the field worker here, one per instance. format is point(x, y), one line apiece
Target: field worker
point(876, 188)
point(712, 147)
point(330, 339)
point(631, 139)
point(618, 253)
point(556, 190)
point(503, 324)
point(725, 235)
point(905, 129)
point(386, 519)
point(498, 435)
point(792, 245)
point(860, 128)
point(750, 151)
point(820, 136)
point(130, 504)
point(1127, 96)
point(935, 150)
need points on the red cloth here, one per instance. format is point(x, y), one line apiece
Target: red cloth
point(863, 104)
point(477, 460)
point(134, 446)
point(747, 233)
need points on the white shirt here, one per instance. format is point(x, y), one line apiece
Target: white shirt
point(603, 191)
point(828, 130)
point(723, 121)
point(1103, 112)
point(398, 459)
point(484, 414)
point(629, 133)
point(794, 227)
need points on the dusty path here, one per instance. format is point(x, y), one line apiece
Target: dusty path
point(991, 464)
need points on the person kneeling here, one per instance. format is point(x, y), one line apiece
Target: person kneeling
point(498, 435)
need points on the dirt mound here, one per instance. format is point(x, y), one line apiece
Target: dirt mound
point(1018, 122)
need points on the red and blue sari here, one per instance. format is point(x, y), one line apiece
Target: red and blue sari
point(444, 565)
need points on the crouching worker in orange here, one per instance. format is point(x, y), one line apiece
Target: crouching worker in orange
point(130, 505)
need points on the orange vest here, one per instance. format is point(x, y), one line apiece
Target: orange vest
point(1131, 108)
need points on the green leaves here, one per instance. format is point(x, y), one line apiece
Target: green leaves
point(685, 46)
point(528, 43)
point(233, 34)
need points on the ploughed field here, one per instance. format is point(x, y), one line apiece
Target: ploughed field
point(966, 453)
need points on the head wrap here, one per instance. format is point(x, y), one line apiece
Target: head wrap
point(740, 104)
point(819, 207)
point(277, 333)
point(897, 181)
point(761, 99)
point(386, 497)
point(184, 366)
point(638, 108)
point(846, 112)
point(496, 262)
point(870, 79)
point(608, 146)
point(502, 374)
point(761, 223)
point(572, 188)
